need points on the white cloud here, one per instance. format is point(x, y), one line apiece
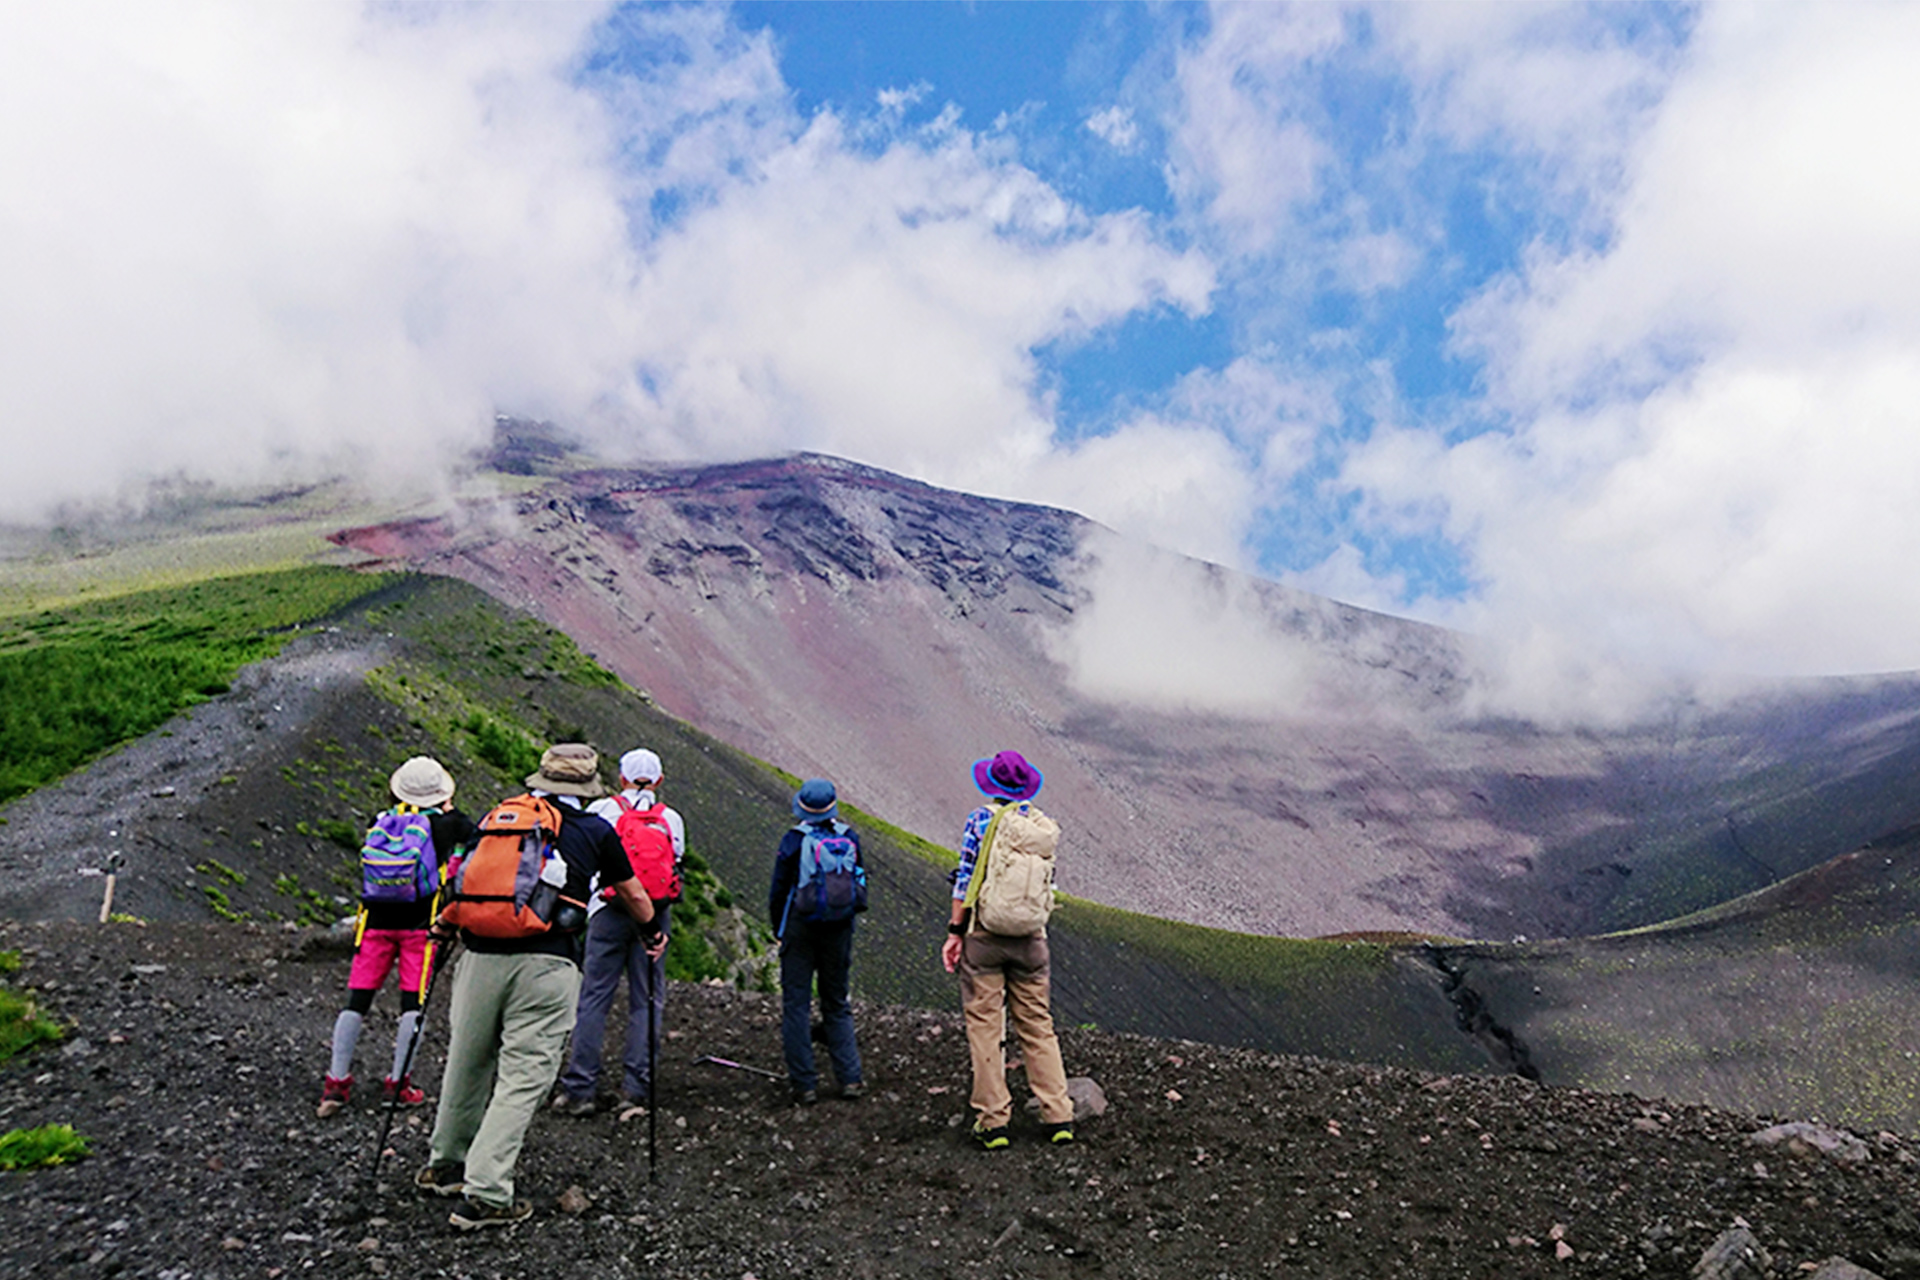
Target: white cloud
point(884, 307)
point(895, 102)
point(1567, 85)
point(1159, 631)
point(1718, 456)
point(1241, 149)
point(241, 239)
point(1193, 475)
point(1116, 127)
point(1180, 487)
point(1705, 368)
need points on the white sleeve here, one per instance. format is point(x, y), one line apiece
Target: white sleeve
point(679, 832)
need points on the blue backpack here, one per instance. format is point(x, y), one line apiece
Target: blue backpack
point(397, 862)
point(832, 884)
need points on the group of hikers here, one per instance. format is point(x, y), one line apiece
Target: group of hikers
point(557, 894)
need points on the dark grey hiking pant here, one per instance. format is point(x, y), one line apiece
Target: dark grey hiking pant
point(614, 950)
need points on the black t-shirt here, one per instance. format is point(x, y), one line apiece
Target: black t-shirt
point(587, 845)
point(453, 834)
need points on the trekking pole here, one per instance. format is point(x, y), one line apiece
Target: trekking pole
point(653, 1054)
point(429, 977)
point(737, 1066)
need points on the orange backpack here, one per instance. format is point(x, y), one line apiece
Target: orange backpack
point(509, 885)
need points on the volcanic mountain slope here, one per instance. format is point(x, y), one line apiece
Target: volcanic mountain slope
point(1799, 996)
point(885, 633)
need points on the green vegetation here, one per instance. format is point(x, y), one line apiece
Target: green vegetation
point(49, 1145)
point(21, 1026)
point(699, 918)
point(79, 681)
point(1234, 958)
point(347, 835)
point(221, 905)
point(310, 905)
point(502, 746)
point(221, 871)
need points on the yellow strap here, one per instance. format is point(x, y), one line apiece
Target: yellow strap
point(980, 858)
point(426, 964)
point(359, 924)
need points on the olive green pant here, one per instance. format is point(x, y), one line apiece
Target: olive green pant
point(1002, 978)
point(509, 1019)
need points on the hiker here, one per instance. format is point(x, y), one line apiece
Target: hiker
point(1002, 959)
point(655, 839)
point(517, 983)
point(819, 885)
point(401, 863)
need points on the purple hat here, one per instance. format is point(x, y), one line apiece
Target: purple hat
point(1007, 776)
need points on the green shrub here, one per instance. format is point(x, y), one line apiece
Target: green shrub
point(50, 1144)
point(501, 745)
point(347, 835)
point(221, 871)
point(21, 1026)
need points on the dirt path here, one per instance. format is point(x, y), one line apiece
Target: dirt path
point(143, 799)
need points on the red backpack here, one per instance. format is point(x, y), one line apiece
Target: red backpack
point(648, 840)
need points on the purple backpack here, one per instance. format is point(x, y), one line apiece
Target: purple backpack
point(397, 863)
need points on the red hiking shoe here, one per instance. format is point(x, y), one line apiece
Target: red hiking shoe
point(401, 1092)
point(334, 1092)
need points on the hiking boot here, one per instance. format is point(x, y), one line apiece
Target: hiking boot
point(991, 1139)
point(855, 1091)
point(566, 1104)
point(805, 1097)
point(334, 1091)
point(442, 1180)
point(1060, 1133)
point(401, 1092)
point(474, 1214)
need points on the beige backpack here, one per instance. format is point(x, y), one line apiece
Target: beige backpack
point(1011, 892)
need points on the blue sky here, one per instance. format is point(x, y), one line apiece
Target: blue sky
point(1591, 328)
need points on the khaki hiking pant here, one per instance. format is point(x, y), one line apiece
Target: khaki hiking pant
point(1008, 978)
point(508, 1023)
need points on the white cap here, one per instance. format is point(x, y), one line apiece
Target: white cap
point(640, 765)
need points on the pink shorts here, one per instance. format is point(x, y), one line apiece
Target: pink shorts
point(378, 950)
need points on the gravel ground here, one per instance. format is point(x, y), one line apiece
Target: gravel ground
point(195, 1054)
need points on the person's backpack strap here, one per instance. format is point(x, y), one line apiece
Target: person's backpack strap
point(980, 858)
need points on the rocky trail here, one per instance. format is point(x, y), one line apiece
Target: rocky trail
point(195, 1052)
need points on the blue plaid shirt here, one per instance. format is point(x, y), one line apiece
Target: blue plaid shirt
point(976, 831)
